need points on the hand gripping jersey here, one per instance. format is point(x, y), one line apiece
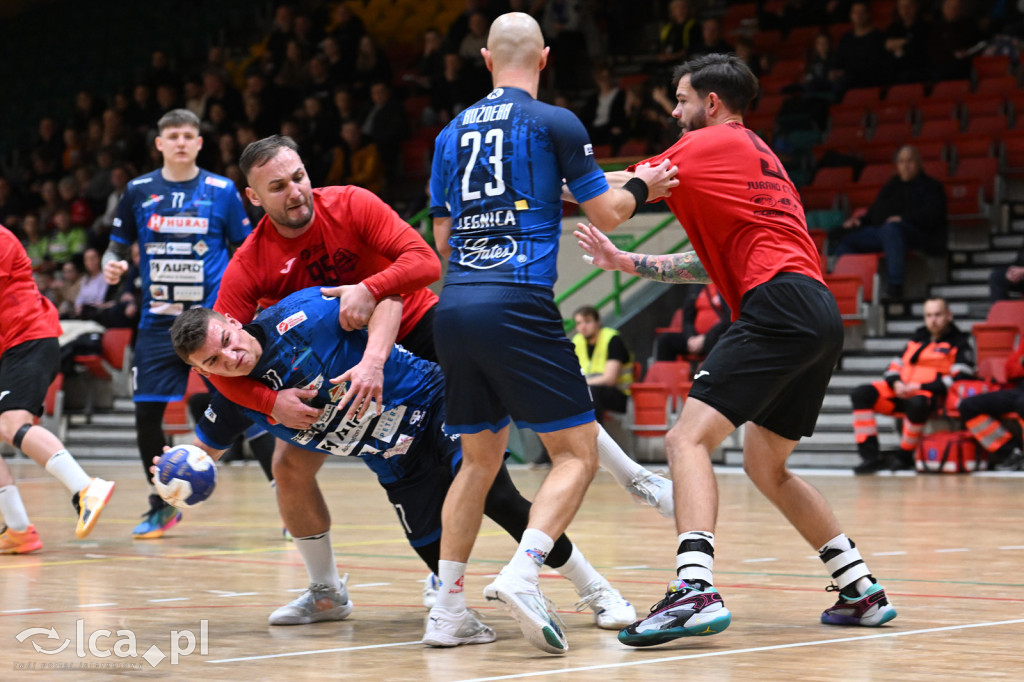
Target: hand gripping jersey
point(25, 314)
point(304, 346)
point(498, 171)
point(183, 230)
point(740, 210)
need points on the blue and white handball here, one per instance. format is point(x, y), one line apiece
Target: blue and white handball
point(186, 476)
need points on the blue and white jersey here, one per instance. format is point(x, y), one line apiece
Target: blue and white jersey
point(304, 346)
point(183, 230)
point(498, 171)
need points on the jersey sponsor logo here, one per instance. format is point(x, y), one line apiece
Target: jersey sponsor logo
point(702, 373)
point(763, 200)
point(117, 222)
point(189, 293)
point(3, 394)
point(176, 271)
point(291, 322)
point(415, 417)
point(160, 292)
point(369, 450)
point(770, 213)
point(303, 437)
point(588, 149)
point(178, 224)
point(483, 254)
point(388, 424)
point(288, 266)
point(162, 308)
point(316, 383)
point(495, 93)
point(210, 415)
point(497, 112)
point(200, 248)
point(763, 185)
point(141, 181)
point(179, 249)
point(325, 417)
point(346, 436)
point(482, 220)
point(272, 379)
point(216, 182)
point(401, 447)
point(156, 248)
point(153, 199)
point(338, 391)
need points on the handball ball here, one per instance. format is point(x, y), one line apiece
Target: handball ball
point(186, 476)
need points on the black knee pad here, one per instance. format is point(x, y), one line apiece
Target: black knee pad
point(19, 435)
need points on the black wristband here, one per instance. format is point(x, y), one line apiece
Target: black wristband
point(638, 188)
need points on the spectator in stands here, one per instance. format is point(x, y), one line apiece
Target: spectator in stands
point(85, 109)
point(166, 99)
point(36, 243)
point(319, 84)
point(356, 161)
point(606, 361)
point(79, 210)
point(458, 29)
point(950, 37)
point(474, 41)
point(195, 96)
point(821, 71)
point(914, 386)
point(908, 213)
point(65, 288)
point(705, 318)
point(160, 72)
point(711, 39)
point(454, 91)
point(119, 177)
point(385, 124)
point(564, 23)
point(1003, 280)
point(860, 54)
point(429, 67)
point(371, 66)
point(48, 139)
point(906, 43)
point(345, 105)
point(982, 414)
point(74, 150)
point(92, 293)
point(604, 112)
point(67, 240)
point(281, 32)
point(291, 76)
point(680, 34)
point(347, 31)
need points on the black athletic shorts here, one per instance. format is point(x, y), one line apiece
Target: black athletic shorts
point(773, 365)
point(26, 372)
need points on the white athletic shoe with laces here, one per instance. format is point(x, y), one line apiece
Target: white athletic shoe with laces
point(529, 607)
point(316, 604)
point(611, 611)
point(654, 490)
point(449, 628)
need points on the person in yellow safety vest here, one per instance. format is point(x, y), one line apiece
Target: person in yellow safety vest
point(606, 361)
point(914, 386)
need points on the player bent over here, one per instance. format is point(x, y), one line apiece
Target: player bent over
point(398, 434)
point(29, 360)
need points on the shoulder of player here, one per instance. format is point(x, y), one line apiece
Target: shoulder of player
point(143, 180)
point(218, 182)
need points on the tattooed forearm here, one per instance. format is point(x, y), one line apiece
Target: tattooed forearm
point(674, 268)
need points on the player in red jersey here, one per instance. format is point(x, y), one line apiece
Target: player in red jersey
point(771, 368)
point(29, 360)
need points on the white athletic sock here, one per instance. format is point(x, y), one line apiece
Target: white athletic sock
point(578, 571)
point(530, 555)
point(615, 461)
point(13, 509)
point(843, 561)
point(318, 556)
point(451, 595)
point(68, 471)
point(695, 558)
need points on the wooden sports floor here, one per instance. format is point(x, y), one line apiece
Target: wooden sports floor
point(949, 550)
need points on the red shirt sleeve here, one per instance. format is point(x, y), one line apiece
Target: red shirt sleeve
point(239, 290)
point(415, 263)
point(246, 392)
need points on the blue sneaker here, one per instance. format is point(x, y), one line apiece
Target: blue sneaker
point(160, 517)
point(686, 611)
point(871, 609)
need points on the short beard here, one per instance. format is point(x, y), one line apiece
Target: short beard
point(696, 123)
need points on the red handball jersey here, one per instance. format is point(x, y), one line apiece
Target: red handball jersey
point(739, 209)
point(355, 237)
point(25, 314)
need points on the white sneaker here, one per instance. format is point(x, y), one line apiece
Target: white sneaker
point(655, 491)
point(318, 603)
point(611, 611)
point(430, 588)
point(531, 609)
point(449, 628)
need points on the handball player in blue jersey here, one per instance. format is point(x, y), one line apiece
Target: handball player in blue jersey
point(185, 220)
point(496, 183)
point(300, 343)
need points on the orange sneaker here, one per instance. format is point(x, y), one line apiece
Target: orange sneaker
point(14, 542)
point(89, 504)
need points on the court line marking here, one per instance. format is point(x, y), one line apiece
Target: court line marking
point(774, 647)
point(158, 601)
point(90, 606)
point(317, 651)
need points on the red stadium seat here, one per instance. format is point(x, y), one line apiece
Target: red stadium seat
point(908, 94)
point(950, 90)
point(994, 341)
point(876, 174)
point(939, 129)
point(1007, 312)
point(985, 170)
point(988, 66)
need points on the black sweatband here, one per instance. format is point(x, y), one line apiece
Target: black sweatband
point(638, 188)
point(19, 435)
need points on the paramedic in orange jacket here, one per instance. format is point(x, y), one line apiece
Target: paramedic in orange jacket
point(983, 413)
point(914, 386)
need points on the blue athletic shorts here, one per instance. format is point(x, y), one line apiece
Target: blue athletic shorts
point(159, 375)
point(505, 355)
